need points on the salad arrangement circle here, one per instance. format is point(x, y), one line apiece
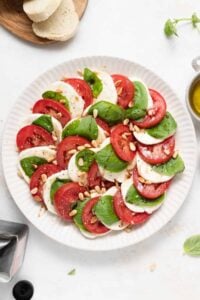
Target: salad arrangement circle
point(99, 151)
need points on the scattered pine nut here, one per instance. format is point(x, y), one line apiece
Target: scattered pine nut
point(37, 198)
point(132, 146)
point(167, 151)
point(175, 154)
point(87, 194)
point(55, 162)
point(95, 113)
point(54, 138)
point(136, 128)
point(59, 115)
point(126, 121)
point(80, 162)
point(44, 177)
point(72, 151)
point(131, 127)
point(82, 147)
point(81, 196)
point(62, 101)
point(130, 104)
point(141, 179)
point(87, 146)
point(119, 91)
point(93, 220)
point(97, 189)
point(94, 143)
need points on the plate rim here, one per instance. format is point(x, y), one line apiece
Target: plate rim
point(144, 236)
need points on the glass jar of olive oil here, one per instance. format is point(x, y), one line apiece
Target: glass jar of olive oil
point(194, 97)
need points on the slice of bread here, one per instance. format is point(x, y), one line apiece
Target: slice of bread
point(60, 26)
point(40, 10)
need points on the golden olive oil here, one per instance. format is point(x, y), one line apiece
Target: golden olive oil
point(195, 97)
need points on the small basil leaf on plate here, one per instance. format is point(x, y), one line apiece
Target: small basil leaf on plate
point(59, 97)
point(28, 164)
point(171, 167)
point(93, 80)
point(140, 104)
point(85, 127)
point(104, 210)
point(108, 160)
point(84, 159)
point(192, 245)
point(164, 129)
point(109, 112)
point(44, 121)
point(135, 198)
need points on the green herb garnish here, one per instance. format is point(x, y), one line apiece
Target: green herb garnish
point(192, 245)
point(72, 272)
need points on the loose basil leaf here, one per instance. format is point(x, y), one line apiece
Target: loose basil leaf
point(93, 80)
point(192, 245)
point(72, 272)
point(85, 127)
point(164, 129)
point(28, 164)
point(108, 160)
point(171, 167)
point(55, 186)
point(59, 97)
point(109, 112)
point(45, 122)
point(139, 108)
point(87, 156)
point(135, 198)
point(104, 210)
point(78, 217)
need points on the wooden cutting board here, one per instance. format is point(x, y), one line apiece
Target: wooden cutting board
point(13, 18)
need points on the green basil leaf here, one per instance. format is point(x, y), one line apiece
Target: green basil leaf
point(164, 129)
point(45, 122)
point(28, 164)
point(87, 157)
point(139, 108)
point(55, 186)
point(109, 112)
point(93, 80)
point(59, 97)
point(171, 167)
point(104, 210)
point(72, 272)
point(78, 217)
point(135, 198)
point(85, 127)
point(108, 160)
point(192, 245)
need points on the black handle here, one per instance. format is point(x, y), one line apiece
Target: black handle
point(23, 290)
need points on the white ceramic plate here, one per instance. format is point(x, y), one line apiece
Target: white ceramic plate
point(67, 234)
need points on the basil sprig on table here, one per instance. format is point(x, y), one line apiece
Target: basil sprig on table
point(109, 112)
point(192, 245)
point(28, 164)
point(104, 210)
point(108, 160)
point(57, 96)
point(140, 103)
point(165, 128)
point(44, 121)
point(93, 80)
point(86, 157)
point(85, 127)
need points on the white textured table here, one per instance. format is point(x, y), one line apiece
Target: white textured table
point(156, 268)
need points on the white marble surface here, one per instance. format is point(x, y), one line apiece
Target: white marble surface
point(133, 30)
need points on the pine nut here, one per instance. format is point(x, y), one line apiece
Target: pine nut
point(131, 127)
point(175, 154)
point(97, 189)
point(136, 128)
point(44, 177)
point(126, 121)
point(93, 220)
point(95, 113)
point(81, 196)
point(94, 143)
point(167, 151)
point(54, 138)
point(132, 146)
point(80, 162)
point(34, 191)
point(87, 194)
point(73, 213)
point(87, 146)
point(119, 91)
point(141, 179)
point(80, 148)
point(72, 151)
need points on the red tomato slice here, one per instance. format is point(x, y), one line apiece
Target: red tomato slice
point(66, 198)
point(69, 143)
point(103, 125)
point(157, 112)
point(52, 108)
point(97, 227)
point(38, 179)
point(125, 90)
point(120, 138)
point(95, 178)
point(150, 191)
point(82, 88)
point(33, 136)
point(159, 153)
point(125, 214)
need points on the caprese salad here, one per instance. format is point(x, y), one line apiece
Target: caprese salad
point(99, 151)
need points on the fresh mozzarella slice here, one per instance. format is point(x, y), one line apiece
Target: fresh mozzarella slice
point(47, 189)
point(46, 152)
point(91, 235)
point(145, 170)
point(57, 127)
point(118, 225)
point(108, 92)
point(124, 189)
point(76, 103)
point(150, 101)
point(146, 139)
